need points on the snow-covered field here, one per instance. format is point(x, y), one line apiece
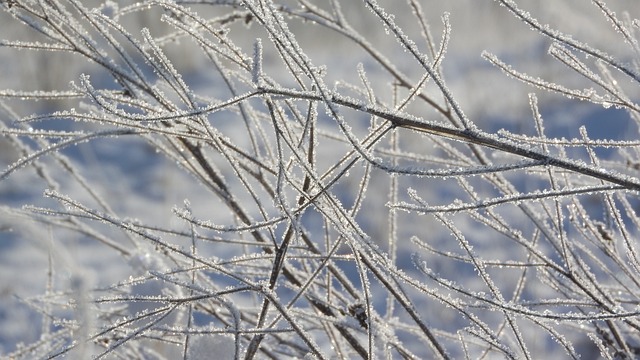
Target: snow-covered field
point(288, 186)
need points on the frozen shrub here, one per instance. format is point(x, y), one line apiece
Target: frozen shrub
point(297, 179)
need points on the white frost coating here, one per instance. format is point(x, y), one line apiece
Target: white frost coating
point(385, 226)
point(256, 74)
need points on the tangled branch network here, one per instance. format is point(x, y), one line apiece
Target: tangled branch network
point(319, 179)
